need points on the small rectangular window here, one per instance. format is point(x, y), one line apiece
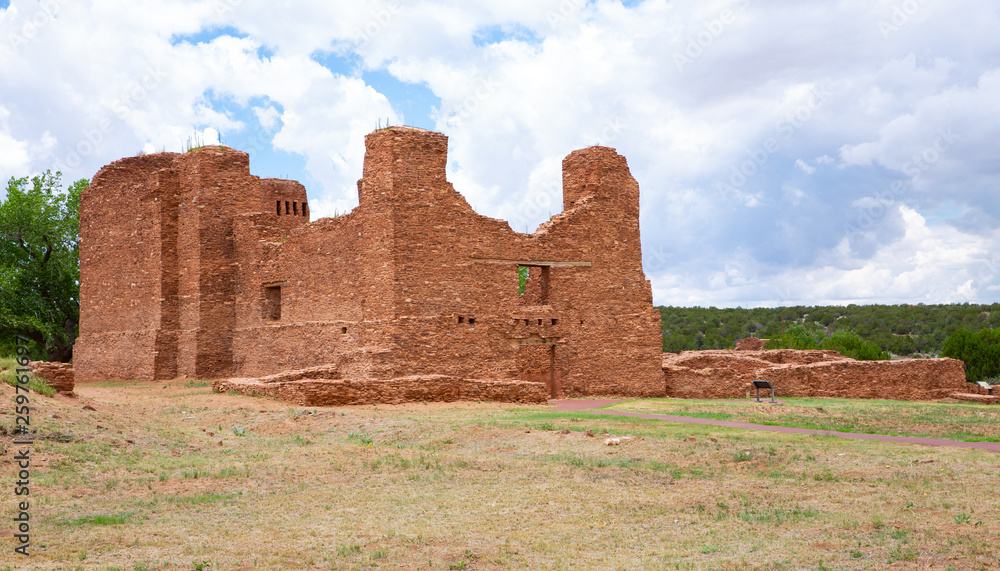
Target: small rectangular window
point(305, 209)
point(343, 330)
point(472, 321)
point(461, 319)
point(295, 207)
point(288, 208)
point(555, 321)
point(272, 303)
point(278, 207)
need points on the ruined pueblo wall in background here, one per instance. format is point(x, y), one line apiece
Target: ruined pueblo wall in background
point(728, 375)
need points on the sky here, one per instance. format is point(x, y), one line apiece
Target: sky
point(787, 153)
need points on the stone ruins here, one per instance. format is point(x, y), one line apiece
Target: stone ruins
point(192, 267)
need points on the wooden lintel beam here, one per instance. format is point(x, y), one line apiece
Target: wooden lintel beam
point(537, 263)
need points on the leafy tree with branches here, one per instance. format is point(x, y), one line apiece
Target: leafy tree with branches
point(979, 351)
point(40, 264)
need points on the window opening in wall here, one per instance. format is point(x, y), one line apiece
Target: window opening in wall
point(472, 321)
point(278, 207)
point(533, 284)
point(305, 211)
point(287, 208)
point(295, 207)
point(555, 321)
point(539, 321)
point(272, 303)
point(343, 330)
point(461, 319)
point(546, 270)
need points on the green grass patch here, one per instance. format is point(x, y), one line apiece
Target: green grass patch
point(8, 366)
point(101, 519)
point(953, 421)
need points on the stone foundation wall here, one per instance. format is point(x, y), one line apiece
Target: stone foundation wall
point(728, 375)
point(59, 376)
point(419, 388)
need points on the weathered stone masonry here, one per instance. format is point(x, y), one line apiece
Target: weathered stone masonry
point(190, 266)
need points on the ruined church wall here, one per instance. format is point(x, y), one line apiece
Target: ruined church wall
point(124, 215)
point(449, 311)
point(217, 187)
point(613, 339)
point(321, 296)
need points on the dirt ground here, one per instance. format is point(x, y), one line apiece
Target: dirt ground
point(172, 476)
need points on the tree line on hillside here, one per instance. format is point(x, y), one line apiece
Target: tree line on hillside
point(918, 330)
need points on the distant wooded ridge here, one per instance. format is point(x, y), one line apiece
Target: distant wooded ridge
point(898, 329)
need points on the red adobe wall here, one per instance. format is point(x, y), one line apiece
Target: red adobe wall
point(224, 277)
point(122, 219)
point(728, 375)
point(157, 274)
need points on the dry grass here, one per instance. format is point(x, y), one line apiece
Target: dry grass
point(175, 477)
point(952, 421)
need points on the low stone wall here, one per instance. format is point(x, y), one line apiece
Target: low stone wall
point(750, 344)
point(304, 389)
point(728, 375)
point(59, 376)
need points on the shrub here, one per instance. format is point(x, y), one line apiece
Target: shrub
point(979, 351)
point(850, 344)
point(845, 341)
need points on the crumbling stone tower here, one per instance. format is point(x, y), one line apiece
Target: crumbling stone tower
point(157, 261)
point(411, 290)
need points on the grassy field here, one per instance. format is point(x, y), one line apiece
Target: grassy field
point(959, 421)
point(172, 476)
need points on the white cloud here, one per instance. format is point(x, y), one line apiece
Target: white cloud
point(806, 168)
point(13, 153)
point(732, 204)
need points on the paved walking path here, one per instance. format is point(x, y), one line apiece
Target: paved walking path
point(588, 405)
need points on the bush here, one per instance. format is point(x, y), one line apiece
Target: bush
point(845, 341)
point(850, 344)
point(979, 351)
point(797, 337)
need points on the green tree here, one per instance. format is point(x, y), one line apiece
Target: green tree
point(850, 344)
point(979, 351)
point(40, 264)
